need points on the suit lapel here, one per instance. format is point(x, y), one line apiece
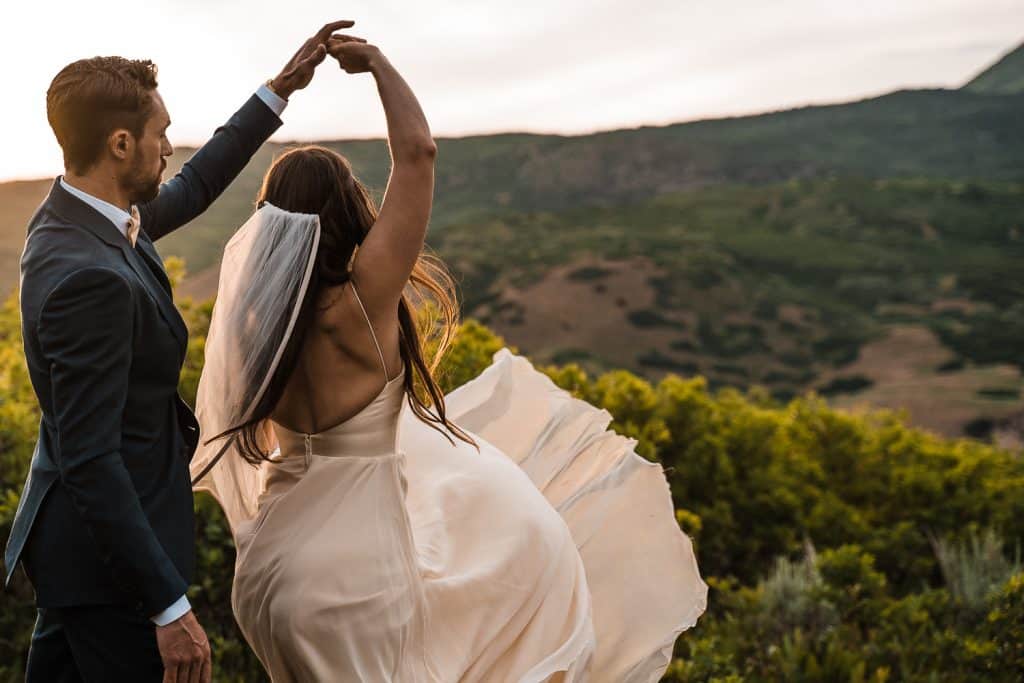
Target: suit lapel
point(143, 259)
point(145, 247)
point(153, 277)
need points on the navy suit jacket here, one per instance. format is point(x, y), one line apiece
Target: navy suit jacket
point(106, 513)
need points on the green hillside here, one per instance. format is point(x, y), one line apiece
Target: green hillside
point(789, 286)
point(930, 133)
point(1005, 77)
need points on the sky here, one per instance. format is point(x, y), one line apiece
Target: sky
point(483, 66)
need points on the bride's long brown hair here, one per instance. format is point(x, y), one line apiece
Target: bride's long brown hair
point(314, 179)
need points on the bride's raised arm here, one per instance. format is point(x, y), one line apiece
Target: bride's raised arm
point(386, 258)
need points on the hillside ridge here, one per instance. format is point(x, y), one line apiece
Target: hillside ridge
point(1004, 77)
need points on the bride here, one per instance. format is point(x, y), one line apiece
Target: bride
point(386, 531)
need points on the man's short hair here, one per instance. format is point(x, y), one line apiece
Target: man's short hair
point(91, 98)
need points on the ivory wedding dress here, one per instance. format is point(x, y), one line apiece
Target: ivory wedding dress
point(378, 551)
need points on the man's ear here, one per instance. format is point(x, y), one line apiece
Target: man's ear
point(121, 144)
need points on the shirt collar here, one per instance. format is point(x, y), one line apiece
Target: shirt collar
point(118, 216)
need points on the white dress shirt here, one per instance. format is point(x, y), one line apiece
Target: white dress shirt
point(118, 216)
point(121, 219)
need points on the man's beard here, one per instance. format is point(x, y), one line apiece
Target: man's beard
point(148, 192)
point(141, 186)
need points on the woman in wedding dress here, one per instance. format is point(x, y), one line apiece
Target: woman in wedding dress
point(388, 532)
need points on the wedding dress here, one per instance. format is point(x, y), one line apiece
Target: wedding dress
point(376, 550)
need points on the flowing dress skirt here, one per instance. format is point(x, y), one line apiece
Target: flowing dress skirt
point(381, 552)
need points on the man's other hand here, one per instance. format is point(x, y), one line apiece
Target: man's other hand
point(185, 651)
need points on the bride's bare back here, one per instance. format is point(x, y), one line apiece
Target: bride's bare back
point(339, 371)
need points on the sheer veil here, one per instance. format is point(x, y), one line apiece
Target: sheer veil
point(264, 275)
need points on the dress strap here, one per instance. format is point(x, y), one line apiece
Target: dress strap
point(372, 333)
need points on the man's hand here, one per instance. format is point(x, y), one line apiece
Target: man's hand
point(298, 72)
point(185, 651)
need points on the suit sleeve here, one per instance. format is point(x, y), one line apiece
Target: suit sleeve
point(210, 170)
point(85, 332)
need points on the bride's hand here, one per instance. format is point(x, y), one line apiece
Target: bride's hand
point(354, 54)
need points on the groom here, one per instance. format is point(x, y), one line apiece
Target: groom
point(105, 527)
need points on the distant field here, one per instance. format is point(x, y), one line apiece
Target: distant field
point(905, 370)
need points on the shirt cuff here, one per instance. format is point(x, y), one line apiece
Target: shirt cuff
point(272, 99)
point(179, 609)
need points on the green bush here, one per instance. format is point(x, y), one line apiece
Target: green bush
point(753, 481)
point(1004, 625)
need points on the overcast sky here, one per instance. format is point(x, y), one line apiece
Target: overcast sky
point(482, 66)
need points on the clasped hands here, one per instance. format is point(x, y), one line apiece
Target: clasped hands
point(354, 55)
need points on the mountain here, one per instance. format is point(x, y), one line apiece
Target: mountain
point(1005, 77)
point(952, 134)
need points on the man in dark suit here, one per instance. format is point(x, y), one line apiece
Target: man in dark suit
point(105, 527)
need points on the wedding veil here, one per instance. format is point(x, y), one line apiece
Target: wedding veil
point(264, 276)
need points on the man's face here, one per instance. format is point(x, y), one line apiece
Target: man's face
point(147, 166)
